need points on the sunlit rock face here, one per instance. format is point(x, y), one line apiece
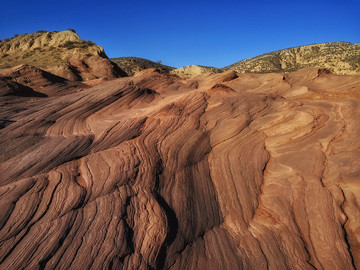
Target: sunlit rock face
point(193, 71)
point(338, 57)
point(220, 171)
point(61, 53)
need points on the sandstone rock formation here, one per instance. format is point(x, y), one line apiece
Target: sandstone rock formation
point(221, 171)
point(338, 57)
point(193, 71)
point(28, 80)
point(61, 53)
point(133, 65)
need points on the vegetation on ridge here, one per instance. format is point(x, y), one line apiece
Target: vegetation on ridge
point(42, 48)
point(132, 65)
point(338, 57)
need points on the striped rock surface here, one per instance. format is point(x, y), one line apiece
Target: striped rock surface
point(220, 171)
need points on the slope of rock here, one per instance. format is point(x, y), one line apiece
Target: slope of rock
point(9, 87)
point(194, 70)
point(29, 77)
point(220, 171)
point(133, 65)
point(338, 57)
point(61, 53)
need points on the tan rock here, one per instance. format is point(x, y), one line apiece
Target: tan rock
point(62, 53)
point(338, 57)
point(194, 70)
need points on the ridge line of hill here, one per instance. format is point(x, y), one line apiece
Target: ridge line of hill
point(65, 54)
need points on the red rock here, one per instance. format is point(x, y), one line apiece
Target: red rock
point(221, 171)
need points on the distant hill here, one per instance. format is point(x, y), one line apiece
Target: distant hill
point(66, 55)
point(61, 53)
point(133, 65)
point(194, 70)
point(338, 57)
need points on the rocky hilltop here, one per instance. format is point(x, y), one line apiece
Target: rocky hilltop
point(133, 65)
point(194, 70)
point(338, 57)
point(154, 171)
point(61, 53)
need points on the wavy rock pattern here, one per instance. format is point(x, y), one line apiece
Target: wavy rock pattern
point(221, 171)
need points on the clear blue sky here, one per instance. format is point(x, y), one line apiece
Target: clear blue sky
point(180, 33)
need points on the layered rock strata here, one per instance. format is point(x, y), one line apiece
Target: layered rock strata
point(221, 171)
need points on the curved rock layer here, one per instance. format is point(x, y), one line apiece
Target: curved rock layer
point(221, 171)
point(24, 80)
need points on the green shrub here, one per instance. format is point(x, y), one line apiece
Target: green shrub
point(68, 44)
point(28, 54)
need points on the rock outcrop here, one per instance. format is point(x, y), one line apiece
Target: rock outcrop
point(61, 53)
point(221, 171)
point(193, 71)
point(338, 57)
point(133, 65)
point(29, 80)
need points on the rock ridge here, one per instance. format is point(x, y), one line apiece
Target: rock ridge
point(62, 53)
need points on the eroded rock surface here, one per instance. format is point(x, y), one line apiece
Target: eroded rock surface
point(62, 53)
point(193, 71)
point(221, 171)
